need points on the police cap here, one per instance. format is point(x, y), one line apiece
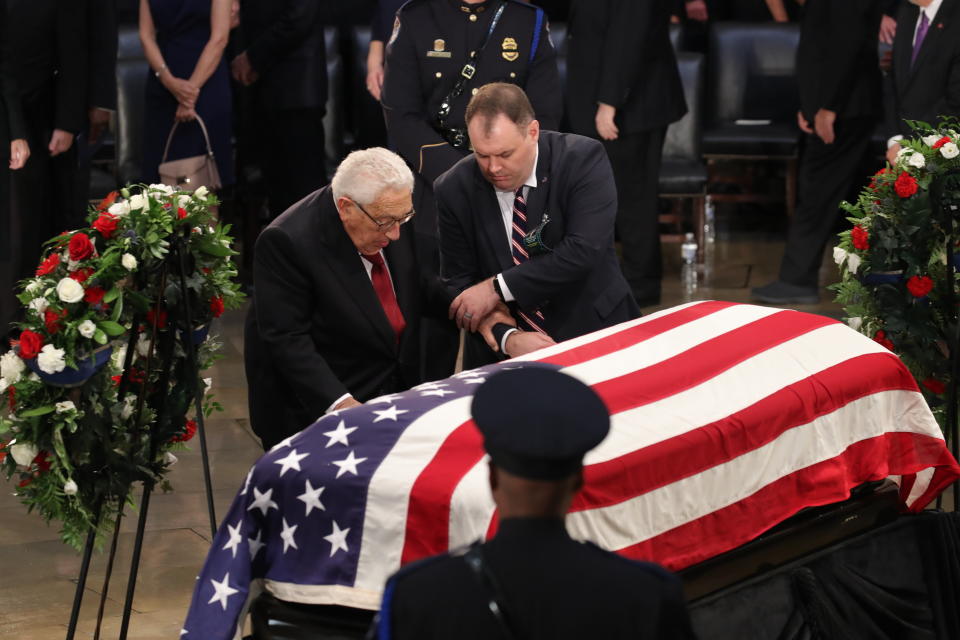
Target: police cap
point(538, 423)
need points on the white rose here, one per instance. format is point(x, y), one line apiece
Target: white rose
point(128, 261)
point(24, 454)
point(137, 201)
point(855, 323)
point(169, 459)
point(201, 192)
point(853, 262)
point(930, 140)
point(70, 487)
point(11, 367)
point(66, 405)
point(39, 305)
point(69, 290)
point(51, 359)
point(87, 328)
point(119, 209)
point(839, 255)
point(949, 151)
point(917, 160)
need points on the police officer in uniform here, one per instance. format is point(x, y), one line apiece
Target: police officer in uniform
point(532, 580)
point(439, 54)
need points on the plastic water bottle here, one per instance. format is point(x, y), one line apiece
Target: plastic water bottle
point(688, 272)
point(709, 221)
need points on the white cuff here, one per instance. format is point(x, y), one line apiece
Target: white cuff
point(503, 340)
point(335, 403)
point(893, 140)
point(504, 289)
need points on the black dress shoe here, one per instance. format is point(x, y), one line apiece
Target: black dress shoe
point(778, 292)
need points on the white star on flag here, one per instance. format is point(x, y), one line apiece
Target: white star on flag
point(388, 414)
point(389, 398)
point(255, 545)
point(262, 501)
point(286, 442)
point(474, 380)
point(430, 386)
point(221, 591)
point(337, 539)
point(339, 434)
point(235, 538)
point(311, 498)
point(437, 392)
point(348, 464)
point(287, 536)
point(183, 631)
point(292, 461)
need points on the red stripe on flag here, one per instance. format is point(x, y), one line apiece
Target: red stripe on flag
point(895, 453)
point(613, 481)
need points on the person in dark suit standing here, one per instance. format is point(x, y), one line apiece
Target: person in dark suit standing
point(339, 295)
point(284, 62)
point(527, 220)
point(532, 580)
point(839, 76)
point(624, 88)
point(926, 66)
point(48, 61)
point(440, 53)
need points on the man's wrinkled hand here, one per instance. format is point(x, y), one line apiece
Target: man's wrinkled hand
point(473, 304)
point(606, 128)
point(500, 314)
point(520, 343)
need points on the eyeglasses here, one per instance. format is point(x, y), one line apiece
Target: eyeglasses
point(386, 223)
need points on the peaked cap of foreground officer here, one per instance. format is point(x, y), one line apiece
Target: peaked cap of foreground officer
point(538, 423)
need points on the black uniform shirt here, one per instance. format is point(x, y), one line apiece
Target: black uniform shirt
point(431, 43)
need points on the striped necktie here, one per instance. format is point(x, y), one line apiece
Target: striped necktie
point(517, 231)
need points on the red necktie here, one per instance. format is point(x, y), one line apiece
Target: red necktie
point(381, 284)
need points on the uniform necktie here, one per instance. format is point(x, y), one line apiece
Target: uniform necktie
point(381, 284)
point(518, 229)
point(921, 34)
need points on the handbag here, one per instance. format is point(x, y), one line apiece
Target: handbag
point(189, 174)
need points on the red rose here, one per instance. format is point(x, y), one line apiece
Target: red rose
point(42, 461)
point(881, 338)
point(49, 264)
point(106, 224)
point(80, 247)
point(181, 213)
point(109, 200)
point(189, 429)
point(51, 319)
point(216, 306)
point(860, 238)
point(160, 321)
point(919, 286)
point(905, 186)
point(934, 385)
point(942, 141)
point(94, 295)
point(81, 275)
point(30, 344)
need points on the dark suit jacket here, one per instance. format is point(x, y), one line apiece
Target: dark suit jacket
point(12, 125)
point(837, 64)
point(284, 41)
point(931, 88)
point(317, 329)
point(578, 285)
point(102, 48)
point(552, 587)
point(47, 47)
point(619, 53)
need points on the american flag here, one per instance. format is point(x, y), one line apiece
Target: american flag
point(726, 419)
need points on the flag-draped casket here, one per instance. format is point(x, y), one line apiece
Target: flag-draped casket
point(726, 419)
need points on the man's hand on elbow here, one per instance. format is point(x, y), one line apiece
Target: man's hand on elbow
point(473, 304)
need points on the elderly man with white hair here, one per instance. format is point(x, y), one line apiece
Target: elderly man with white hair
point(338, 299)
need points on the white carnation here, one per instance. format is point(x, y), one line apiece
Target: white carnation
point(70, 487)
point(917, 160)
point(930, 140)
point(69, 290)
point(163, 188)
point(34, 285)
point(119, 209)
point(11, 367)
point(65, 406)
point(87, 328)
point(128, 261)
point(201, 192)
point(23, 454)
point(949, 151)
point(39, 305)
point(137, 201)
point(839, 255)
point(853, 262)
point(51, 360)
point(855, 323)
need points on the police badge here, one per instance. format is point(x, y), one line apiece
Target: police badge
point(509, 47)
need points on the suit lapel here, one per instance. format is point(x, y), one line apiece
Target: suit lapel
point(537, 198)
point(935, 32)
point(490, 219)
point(903, 49)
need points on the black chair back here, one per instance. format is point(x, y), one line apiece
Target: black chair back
point(684, 136)
point(132, 69)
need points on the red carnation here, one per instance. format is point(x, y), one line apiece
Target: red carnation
point(942, 141)
point(106, 224)
point(934, 385)
point(881, 338)
point(216, 306)
point(49, 264)
point(153, 319)
point(42, 461)
point(81, 275)
point(94, 295)
point(181, 213)
point(30, 344)
point(860, 238)
point(51, 320)
point(80, 247)
point(116, 380)
point(109, 200)
point(919, 286)
point(905, 186)
point(189, 429)
point(26, 481)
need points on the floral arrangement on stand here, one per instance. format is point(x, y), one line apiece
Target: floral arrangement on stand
point(75, 446)
point(896, 285)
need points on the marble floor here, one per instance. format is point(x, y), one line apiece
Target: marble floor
point(38, 573)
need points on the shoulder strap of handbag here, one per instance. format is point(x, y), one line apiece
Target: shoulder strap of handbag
point(173, 130)
point(488, 582)
point(469, 69)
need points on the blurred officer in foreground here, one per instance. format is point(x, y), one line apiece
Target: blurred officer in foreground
point(439, 54)
point(532, 580)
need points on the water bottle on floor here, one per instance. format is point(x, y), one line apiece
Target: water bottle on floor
point(688, 270)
